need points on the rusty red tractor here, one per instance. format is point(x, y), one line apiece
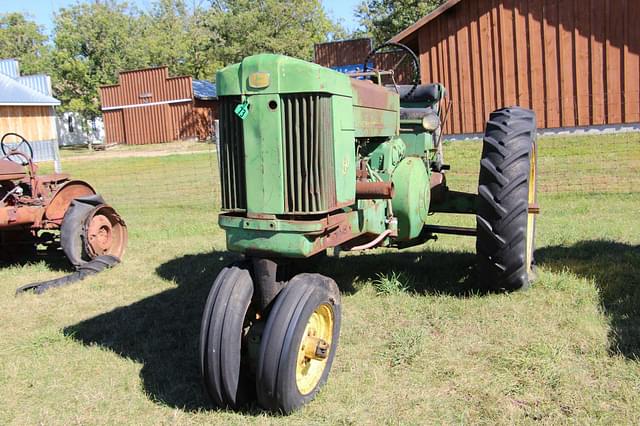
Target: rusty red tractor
point(52, 209)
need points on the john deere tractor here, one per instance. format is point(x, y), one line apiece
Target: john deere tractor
point(312, 159)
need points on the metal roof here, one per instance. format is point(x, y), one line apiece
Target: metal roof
point(10, 67)
point(38, 82)
point(13, 92)
point(204, 90)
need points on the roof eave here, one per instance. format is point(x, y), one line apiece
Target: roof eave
point(407, 32)
point(29, 104)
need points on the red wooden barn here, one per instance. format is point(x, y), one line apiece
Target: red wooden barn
point(575, 62)
point(147, 106)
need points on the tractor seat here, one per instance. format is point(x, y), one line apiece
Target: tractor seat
point(423, 93)
point(11, 171)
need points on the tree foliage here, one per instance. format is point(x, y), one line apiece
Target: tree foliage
point(24, 40)
point(94, 40)
point(290, 27)
point(176, 36)
point(382, 19)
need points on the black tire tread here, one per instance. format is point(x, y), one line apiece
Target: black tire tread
point(221, 327)
point(503, 199)
point(275, 380)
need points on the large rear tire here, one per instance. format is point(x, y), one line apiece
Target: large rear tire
point(507, 189)
point(299, 343)
point(223, 352)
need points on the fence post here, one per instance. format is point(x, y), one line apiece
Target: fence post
point(216, 133)
point(57, 164)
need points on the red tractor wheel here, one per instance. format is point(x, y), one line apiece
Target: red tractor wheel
point(90, 229)
point(105, 233)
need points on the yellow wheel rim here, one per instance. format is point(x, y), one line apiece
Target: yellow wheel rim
point(531, 217)
point(314, 349)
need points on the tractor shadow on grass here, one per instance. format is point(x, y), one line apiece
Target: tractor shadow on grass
point(615, 269)
point(427, 272)
point(161, 332)
point(54, 259)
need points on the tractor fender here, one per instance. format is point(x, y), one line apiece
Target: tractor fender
point(64, 196)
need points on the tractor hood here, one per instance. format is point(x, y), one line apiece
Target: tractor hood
point(269, 74)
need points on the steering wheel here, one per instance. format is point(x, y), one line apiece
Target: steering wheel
point(18, 150)
point(392, 49)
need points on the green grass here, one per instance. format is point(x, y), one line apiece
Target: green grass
point(419, 343)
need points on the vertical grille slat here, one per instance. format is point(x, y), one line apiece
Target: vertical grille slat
point(232, 173)
point(308, 144)
point(313, 144)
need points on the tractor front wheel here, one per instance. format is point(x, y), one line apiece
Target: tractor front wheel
point(507, 201)
point(298, 343)
point(223, 341)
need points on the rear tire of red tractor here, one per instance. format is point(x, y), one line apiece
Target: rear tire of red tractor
point(507, 188)
point(299, 343)
point(223, 352)
point(91, 229)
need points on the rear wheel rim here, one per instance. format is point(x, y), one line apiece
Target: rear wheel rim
point(314, 349)
point(105, 234)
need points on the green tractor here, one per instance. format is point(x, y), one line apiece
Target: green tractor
point(312, 159)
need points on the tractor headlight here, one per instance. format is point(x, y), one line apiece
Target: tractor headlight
point(431, 122)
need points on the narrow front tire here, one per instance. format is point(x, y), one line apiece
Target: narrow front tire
point(299, 343)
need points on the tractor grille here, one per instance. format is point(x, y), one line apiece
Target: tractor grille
point(310, 185)
point(231, 156)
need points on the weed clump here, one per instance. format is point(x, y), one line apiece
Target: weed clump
point(392, 283)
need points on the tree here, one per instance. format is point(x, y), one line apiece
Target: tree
point(24, 40)
point(246, 27)
point(175, 36)
point(382, 19)
point(93, 42)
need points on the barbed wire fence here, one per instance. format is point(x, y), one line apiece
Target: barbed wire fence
point(603, 163)
point(184, 180)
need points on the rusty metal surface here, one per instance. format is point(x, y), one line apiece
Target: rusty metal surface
point(438, 187)
point(534, 208)
point(62, 199)
point(375, 109)
point(11, 171)
point(338, 230)
point(13, 216)
point(374, 190)
point(30, 202)
point(106, 233)
point(366, 94)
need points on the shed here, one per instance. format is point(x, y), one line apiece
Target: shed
point(26, 104)
point(574, 62)
point(344, 56)
point(147, 106)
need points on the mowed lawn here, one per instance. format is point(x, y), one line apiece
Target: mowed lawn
point(420, 344)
